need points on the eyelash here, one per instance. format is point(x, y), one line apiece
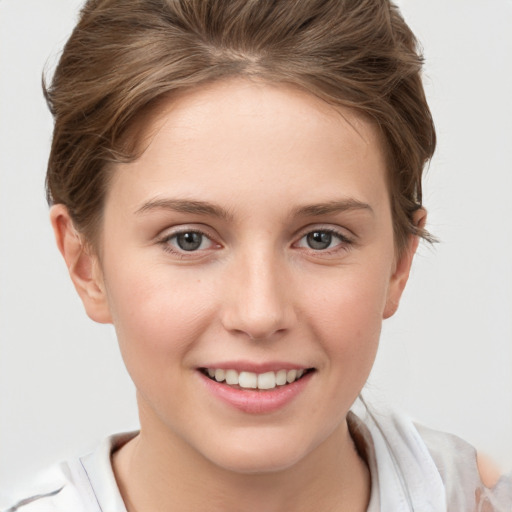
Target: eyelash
point(344, 242)
point(182, 253)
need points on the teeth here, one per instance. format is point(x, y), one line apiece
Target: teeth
point(231, 377)
point(291, 376)
point(281, 377)
point(250, 380)
point(267, 380)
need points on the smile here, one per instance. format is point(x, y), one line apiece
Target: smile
point(256, 392)
point(251, 380)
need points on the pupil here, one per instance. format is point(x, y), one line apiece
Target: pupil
point(319, 240)
point(189, 241)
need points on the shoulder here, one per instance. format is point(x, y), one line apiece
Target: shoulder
point(424, 448)
point(85, 484)
point(60, 488)
point(430, 465)
point(455, 459)
point(465, 471)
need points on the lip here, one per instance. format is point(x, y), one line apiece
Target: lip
point(256, 402)
point(251, 366)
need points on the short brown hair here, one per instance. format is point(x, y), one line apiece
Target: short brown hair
point(125, 55)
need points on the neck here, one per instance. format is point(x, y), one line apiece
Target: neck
point(159, 474)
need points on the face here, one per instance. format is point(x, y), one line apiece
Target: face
point(252, 241)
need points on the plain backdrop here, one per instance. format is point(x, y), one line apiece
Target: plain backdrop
point(446, 357)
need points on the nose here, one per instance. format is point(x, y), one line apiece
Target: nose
point(259, 301)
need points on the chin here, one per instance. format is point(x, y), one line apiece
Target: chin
point(261, 463)
point(259, 454)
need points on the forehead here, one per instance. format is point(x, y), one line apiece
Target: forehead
point(222, 138)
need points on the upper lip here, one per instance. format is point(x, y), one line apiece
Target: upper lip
point(248, 366)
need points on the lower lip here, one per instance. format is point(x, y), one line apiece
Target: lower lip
point(257, 402)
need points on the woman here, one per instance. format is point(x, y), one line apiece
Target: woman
point(237, 188)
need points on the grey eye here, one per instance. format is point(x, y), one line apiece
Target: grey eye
point(319, 240)
point(189, 241)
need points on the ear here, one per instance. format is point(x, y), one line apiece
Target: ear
point(83, 265)
point(403, 267)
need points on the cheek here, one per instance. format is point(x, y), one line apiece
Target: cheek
point(349, 296)
point(157, 314)
point(346, 314)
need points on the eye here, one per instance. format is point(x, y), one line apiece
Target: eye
point(322, 240)
point(190, 241)
point(319, 240)
point(187, 241)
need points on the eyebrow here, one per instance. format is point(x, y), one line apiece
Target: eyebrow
point(185, 206)
point(206, 208)
point(331, 207)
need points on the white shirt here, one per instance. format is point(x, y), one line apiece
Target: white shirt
point(412, 468)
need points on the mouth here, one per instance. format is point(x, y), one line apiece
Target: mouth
point(255, 381)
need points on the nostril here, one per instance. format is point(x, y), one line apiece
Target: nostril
point(263, 335)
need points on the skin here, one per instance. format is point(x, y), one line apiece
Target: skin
point(255, 291)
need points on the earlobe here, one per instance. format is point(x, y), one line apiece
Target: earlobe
point(83, 265)
point(403, 267)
